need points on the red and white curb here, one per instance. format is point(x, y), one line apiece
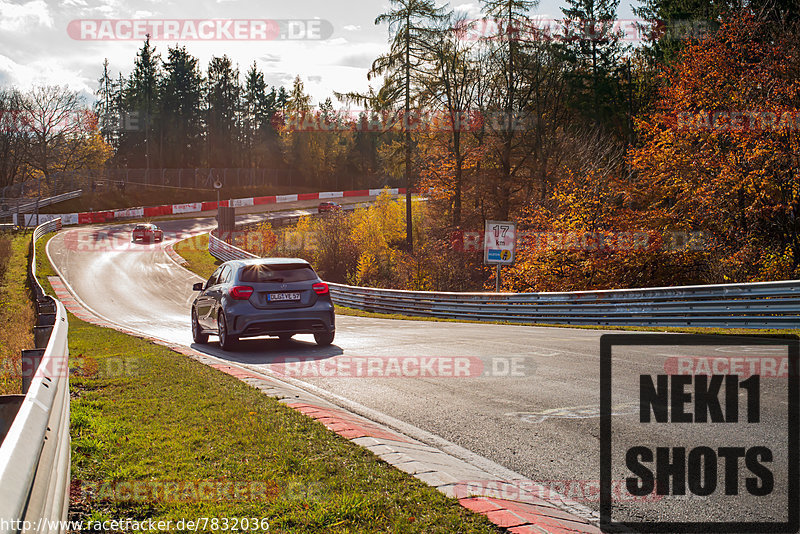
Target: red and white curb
point(174, 256)
point(522, 515)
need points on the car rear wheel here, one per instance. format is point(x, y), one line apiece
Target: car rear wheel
point(324, 339)
point(197, 332)
point(226, 341)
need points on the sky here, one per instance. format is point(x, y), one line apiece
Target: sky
point(58, 42)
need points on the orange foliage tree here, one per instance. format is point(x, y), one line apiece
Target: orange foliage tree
point(720, 152)
point(589, 236)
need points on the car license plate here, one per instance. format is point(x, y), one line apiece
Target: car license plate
point(274, 297)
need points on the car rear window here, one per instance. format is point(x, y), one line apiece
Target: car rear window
point(290, 272)
point(140, 227)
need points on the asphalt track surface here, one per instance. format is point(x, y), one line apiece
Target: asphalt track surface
point(525, 397)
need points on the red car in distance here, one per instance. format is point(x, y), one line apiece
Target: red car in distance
point(148, 232)
point(327, 206)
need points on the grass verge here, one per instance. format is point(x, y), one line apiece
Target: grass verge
point(16, 309)
point(201, 262)
point(43, 267)
point(144, 418)
point(195, 251)
point(157, 436)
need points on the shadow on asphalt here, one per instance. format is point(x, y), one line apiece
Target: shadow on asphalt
point(270, 350)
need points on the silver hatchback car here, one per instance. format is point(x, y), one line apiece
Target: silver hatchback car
point(265, 296)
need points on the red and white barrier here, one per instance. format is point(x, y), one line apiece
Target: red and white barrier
point(242, 202)
point(187, 208)
point(28, 219)
point(129, 213)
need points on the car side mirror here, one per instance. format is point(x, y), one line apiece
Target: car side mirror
point(198, 286)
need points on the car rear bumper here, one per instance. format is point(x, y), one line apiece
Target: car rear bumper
point(316, 319)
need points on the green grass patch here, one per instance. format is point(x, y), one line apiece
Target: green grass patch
point(43, 267)
point(195, 251)
point(204, 264)
point(141, 412)
point(17, 315)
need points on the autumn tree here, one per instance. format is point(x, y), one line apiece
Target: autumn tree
point(525, 107)
point(720, 152)
point(62, 132)
point(12, 138)
point(450, 85)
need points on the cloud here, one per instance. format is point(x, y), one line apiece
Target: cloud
point(107, 8)
point(352, 28)
point(45, 72)
point(270, 58)
point(360, 60)
point(21, 17)
point(470, 10)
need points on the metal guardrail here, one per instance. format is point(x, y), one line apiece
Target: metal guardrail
point(753, 305)
point(27, 205)
point(35, 453)
point(758, 305)
point(225, 251)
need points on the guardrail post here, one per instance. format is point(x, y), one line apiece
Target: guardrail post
point(30, 363)
point(41, 335)
point(45, 305)
point(9, 406)
point(46, 319)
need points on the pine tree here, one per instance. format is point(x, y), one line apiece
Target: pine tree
point(410, 26)
point(181, 108)
point(105, 106)
point(141, 101)
point(593, 49)
point(223, 97)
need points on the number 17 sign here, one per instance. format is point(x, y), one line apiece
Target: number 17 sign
point(499, 243)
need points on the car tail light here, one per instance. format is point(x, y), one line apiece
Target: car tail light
point(320, 288)
point(241, 292)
